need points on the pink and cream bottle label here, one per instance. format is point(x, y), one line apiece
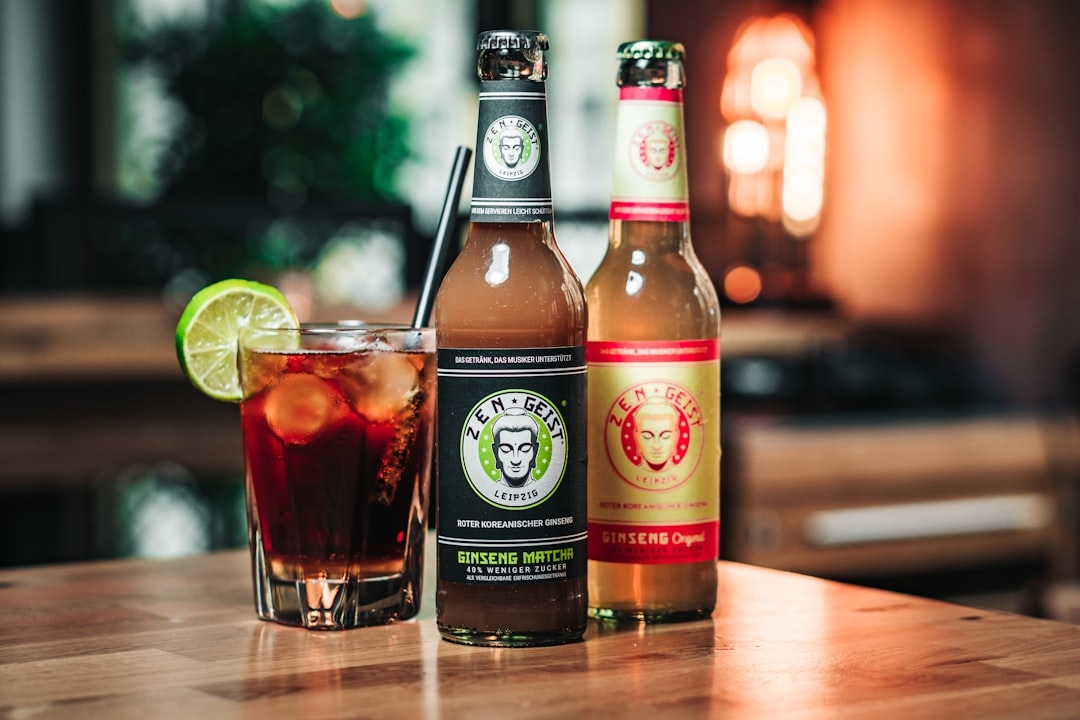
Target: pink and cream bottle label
point(654, 490)
point(650, 171)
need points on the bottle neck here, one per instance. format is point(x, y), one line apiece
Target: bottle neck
point(651, 238)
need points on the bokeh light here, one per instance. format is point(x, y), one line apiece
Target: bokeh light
point(742, 283)
point(773, 147)
point(775, 85)
point(349, 9)
point(746, 147)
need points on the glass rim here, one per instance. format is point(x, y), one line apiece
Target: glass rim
point(340, 327)
point(337, 337)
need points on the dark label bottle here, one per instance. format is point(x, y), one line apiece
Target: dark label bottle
point(654, 369)
point(511, 321)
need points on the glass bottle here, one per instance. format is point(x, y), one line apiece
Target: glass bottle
point(654, 368)
point(511, 321)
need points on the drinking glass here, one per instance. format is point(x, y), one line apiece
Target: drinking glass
point(338, 424)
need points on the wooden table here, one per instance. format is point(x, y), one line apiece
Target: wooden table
point(178, 638)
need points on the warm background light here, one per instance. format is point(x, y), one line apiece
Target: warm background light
point(742, 284)
point(803, 190)
point(774, 144)
point(746, 147)
point(750, 195)
point(769, 58)
point(775, 85)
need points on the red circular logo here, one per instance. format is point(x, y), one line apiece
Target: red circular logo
point(654, 435)
point(654, 149)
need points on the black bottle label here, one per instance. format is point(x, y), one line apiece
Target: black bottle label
point(512, 445)
point(511, 177)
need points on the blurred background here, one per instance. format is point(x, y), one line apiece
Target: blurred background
point(886, 194)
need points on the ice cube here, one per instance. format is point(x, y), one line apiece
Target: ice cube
point(379, 385)
point(299, 406)
point(258, 370)
point(348, 342)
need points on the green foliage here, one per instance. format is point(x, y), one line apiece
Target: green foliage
point(282, 102)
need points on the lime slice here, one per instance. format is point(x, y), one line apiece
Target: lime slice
point(209, 330)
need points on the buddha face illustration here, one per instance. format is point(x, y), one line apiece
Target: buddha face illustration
point(656, 430)
point(514, 440)
point(511, 143)
point(657, 151)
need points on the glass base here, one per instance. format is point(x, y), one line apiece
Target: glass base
point(638, 615)
point(331, 603)
point(464, 636)
point(337, 605)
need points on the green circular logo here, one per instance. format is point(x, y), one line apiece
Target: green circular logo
point(513, 449)
point(511, 148)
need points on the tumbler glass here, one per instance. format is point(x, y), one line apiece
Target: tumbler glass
point(338, 424)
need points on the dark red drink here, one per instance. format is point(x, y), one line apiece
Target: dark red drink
point(337, 446)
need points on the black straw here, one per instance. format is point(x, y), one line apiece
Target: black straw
point(433, 273)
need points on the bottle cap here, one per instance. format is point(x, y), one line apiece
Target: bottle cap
point(650, 49)
point(512, 40)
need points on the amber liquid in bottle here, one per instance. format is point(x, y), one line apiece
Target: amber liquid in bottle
point(509, 288)
point(651, 291)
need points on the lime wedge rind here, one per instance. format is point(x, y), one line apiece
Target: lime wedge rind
point(207, 334)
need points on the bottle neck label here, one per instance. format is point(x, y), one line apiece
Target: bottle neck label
point(650, 157)
point(511, 176)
